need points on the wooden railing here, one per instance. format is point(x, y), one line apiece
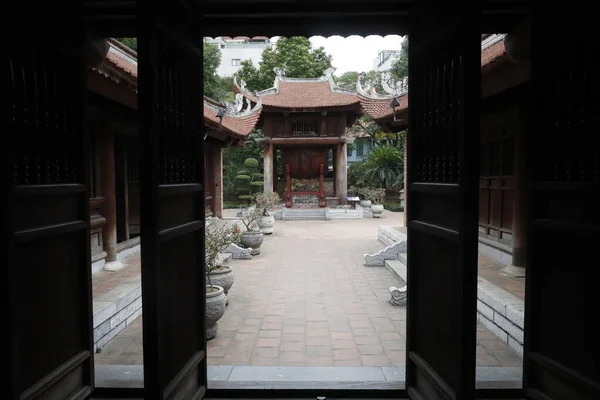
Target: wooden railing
point(289, 192)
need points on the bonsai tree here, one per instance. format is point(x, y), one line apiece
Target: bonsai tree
point(249, 180)
point(217, 237)
point(376, 195)
point(266, 201)
point(250, 217)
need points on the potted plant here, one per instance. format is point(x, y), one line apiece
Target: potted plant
point(377, 196)
point(252, 238)
point(265, 202)
point(365, 194)
point(219, 278)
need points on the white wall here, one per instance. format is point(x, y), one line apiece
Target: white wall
point(239, 52)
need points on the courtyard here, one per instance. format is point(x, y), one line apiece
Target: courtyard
point(308, 300)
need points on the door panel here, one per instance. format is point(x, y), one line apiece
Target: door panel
point(444, 74)
point(172, 211)
point(561, 350)
point(46, 219)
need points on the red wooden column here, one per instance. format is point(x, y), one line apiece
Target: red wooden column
point(217, 192)
point(106, 155)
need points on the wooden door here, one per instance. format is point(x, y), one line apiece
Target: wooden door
point(172, 211)
point(46, 247)
point(443, 141)
point(561, 352)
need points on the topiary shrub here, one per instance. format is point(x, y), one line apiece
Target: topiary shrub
point(249, 180)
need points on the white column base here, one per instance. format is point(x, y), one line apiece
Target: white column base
point(512, 270)
point(113, 266)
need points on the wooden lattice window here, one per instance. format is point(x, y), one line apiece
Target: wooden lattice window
point(305, 128)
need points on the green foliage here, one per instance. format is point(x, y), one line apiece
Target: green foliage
point(233, 160)
point(266, 201)
point(347, 80)
point(376, 195)
point(385, 164)
point(249, 185)
point(357, 177)
point(399, 68)
point(393, 206)
point(221, 89)
point(251, 163)
point(129, 42)
point(294, 54)
point(211, 61)
point(217, 237)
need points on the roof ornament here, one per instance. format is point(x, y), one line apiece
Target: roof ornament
point(328, 73)
point(392, 86)
point(248, 105)
point(279, 71)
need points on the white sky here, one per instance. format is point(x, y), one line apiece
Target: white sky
point(355, 53)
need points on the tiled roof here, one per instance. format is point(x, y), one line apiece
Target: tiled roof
point(295, 93)
point(379, 109)
point(120, 64)
point(239, 125)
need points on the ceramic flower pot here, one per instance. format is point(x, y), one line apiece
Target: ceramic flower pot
point(266, 224)
point(253, 240)
point(365, 203)
point(377, 210)
point(215, 308)
point(222, 276)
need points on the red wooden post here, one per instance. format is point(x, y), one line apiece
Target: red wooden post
point(288, 191)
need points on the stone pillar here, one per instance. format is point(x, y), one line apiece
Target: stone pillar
point(405, 175)
point(217, 159)
point(341, 178)
point(106, 155)
point(268, 164)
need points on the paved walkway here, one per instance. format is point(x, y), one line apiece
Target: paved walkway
point(307, 300)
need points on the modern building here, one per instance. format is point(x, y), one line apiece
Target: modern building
point(385, 59)
point(237, 49)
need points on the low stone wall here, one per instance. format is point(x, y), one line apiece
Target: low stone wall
point(502, 313)
point(498, 310)
point(343, 213)
point(115, 310)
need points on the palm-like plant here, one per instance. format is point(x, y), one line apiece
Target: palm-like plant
point(385, 164)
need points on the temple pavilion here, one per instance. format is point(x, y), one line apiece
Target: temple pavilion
point(307, 121)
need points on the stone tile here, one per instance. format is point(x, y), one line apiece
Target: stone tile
point(292, 356)
point(370, 349)
point(375, 361)
point(319, 351)
point(317, 332)
point(343, 344)
point(269, 334)
point(263, 352)
point(345, 354)
point(268, 342)
point(293, 346)
point(309, 278)
point(293, 337)
point(294, 329)
point(318, 341)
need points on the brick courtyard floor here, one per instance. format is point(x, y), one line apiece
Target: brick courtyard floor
point(307, 300)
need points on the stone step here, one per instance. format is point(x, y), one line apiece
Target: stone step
point(398, 269)
point(115, 310)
